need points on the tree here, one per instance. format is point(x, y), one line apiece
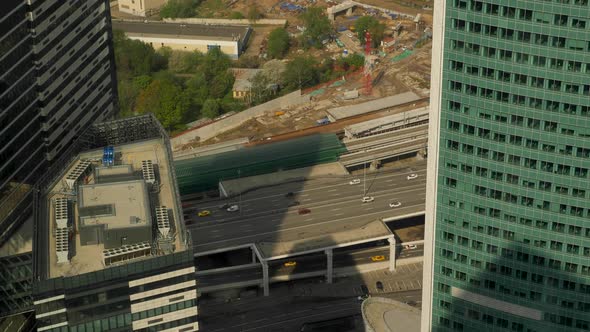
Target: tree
point(301, 72)
point(317, 26)
point(166, 100)
point(179, 8)
point(134, 58)
point(278, 43)
point(375, 28)
point(210, 109)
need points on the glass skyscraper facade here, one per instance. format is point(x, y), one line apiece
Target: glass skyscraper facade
point(57, 77)
point(508, 194)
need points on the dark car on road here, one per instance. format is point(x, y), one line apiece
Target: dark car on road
point(289, 194)
point(304, 211)
point(379, 285)
point(295, 203)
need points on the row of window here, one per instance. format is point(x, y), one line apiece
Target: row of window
point(520, 36)
point(521, 141)
point(518, 57)
point(513, 12)
point(535, 260)
point(515, 180)
point(519, 100)
point(526, 80)
point(490, 284)
point(515, 273)
point(515, 160)
point(507, 197)
point(163, 309)
point(503, 323)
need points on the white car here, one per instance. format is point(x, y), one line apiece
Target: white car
point(350, 35)
point(395, 204)
point(233, 208)
point(355, 181)
point(410, 246)
point(368, 199)
point(412, 176)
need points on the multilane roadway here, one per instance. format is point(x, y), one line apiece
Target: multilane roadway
point(266, 216)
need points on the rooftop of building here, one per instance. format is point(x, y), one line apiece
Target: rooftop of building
point(383, 314)
point(107, 205)
point(182, 30)
point(244, 78)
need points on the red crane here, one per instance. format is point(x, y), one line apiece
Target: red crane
point(367, 66)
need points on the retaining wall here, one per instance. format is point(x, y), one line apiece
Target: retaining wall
point(215, 128)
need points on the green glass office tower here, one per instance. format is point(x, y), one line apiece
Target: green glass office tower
point(508, 200)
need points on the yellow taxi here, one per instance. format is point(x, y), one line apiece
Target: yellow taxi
point(204, 213)
point(377, 258)
point(287, 264)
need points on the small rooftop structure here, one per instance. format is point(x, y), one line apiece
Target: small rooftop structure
point(343, 112)
point(243, 83)
point(231, 39)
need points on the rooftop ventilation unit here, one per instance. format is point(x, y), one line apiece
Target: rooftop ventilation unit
point(126, 252)
point(147, 169)
point(61, 212)
point(62, 244)
point(108, 156)
point(75, 173)
point(162, 220)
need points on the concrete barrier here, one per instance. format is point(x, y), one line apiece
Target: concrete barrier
point(215, 128)
point(222, 21)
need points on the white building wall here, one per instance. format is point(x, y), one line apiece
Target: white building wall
point(438, 29)
point(228, 47)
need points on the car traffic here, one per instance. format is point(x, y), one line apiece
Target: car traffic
point(368, 199)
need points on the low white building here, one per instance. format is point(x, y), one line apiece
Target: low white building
point(141, 7)
point(231, 40)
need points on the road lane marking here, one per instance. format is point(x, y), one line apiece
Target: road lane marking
point(336, 209)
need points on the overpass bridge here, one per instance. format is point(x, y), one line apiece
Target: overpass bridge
point(385, 146)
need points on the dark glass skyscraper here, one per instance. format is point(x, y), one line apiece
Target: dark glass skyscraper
point(56, 78)
point(508, 194)
point(22, 156)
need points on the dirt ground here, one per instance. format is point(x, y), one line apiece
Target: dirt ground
point(395, 76)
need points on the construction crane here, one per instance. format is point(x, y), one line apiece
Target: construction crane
point(367, 65)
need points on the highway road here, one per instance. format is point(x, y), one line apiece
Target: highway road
point(307, 263)
point(335, 205)
point(285, 312)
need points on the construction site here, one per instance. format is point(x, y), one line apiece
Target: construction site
point(399, 65)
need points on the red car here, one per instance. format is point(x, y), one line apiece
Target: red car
point(304, 211)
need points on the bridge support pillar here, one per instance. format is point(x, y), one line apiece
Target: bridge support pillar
point(349, 12)
point(265, 281)
point(392, 253)
point(253, 256)
point(330, 266)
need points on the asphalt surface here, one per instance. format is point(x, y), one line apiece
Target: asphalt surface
point(309, 263)
point(290, 306)
point(265, 214)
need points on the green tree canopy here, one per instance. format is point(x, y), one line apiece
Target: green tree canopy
point(210, 109)
point(278, 43)
point(134, 58)
point(301, 72)
point(166, 100)
point(375, 28)
point(317, 26)
point(179, 8)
